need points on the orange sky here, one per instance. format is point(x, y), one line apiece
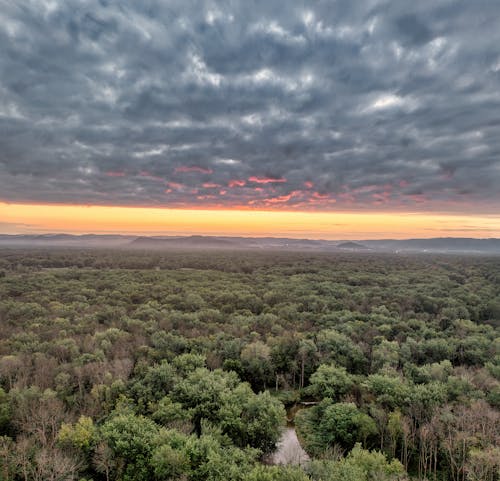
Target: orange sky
point(25, 218)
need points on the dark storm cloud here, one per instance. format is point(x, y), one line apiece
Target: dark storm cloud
point(320, 105)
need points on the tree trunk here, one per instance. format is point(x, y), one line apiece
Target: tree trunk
point(302, 373)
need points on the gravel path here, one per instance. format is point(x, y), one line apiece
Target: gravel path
point(289, 450)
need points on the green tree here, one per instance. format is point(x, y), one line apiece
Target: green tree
point(5, 411)
point(359, 465)
point(252, 419)
point(330, 381)
point(156, 382)
point(201, 393)
point(81, 435)
point(132, 440)
point(335, 347)
point(169, 463)
point(329, 424)
point(257, 366)
point(212, 461)
point(390, 391)
point(275, 473)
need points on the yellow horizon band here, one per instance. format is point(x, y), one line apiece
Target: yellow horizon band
point(79, 219)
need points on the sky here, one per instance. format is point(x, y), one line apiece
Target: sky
point(323, 119)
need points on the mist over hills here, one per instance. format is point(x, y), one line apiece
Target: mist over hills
point(432, 245)
point(187, 242)
point(352, 246)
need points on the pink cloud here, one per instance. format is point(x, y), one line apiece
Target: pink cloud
point(308, 184)
point(364, 189)
point(175, 185)
point(210, 185)
point(266, 180)
point(382, 197)
point(403, 183)
point(283, 198)
point(418, 198)
point(347, 197)
point(145, 173)
point(279, 199)
point(192, 168)
point(317, 195)
point(112, 173)
point(236, 183)
point(320, 201)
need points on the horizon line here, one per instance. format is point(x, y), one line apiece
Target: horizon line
point(188, 235)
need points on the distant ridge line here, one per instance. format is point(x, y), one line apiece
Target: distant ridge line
point(435, 244)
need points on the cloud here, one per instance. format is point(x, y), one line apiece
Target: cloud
point(236, 183)
point(193, 168)
point(266, 180)
point(362, 105)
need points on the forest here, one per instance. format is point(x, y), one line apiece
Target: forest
point(187, 365)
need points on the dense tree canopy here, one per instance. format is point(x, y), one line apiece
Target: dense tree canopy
point(129, 365)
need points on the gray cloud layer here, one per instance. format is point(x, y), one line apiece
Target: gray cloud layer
point(311, 105)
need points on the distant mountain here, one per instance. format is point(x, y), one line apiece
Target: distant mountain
point(64, 240)
point(222, 242)
point(438, 244)
point(352, 246)
point(434, 245)
point(182, 242)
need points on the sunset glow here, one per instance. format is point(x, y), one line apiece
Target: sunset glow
point(335, 122)
point(26, 218)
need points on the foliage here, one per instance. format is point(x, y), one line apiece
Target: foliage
point(81, 436)
point(176, 365)
point(329, 424)
point(358, 465)
point(330, 381)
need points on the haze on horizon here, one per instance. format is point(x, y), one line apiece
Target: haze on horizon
point(323, 120)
